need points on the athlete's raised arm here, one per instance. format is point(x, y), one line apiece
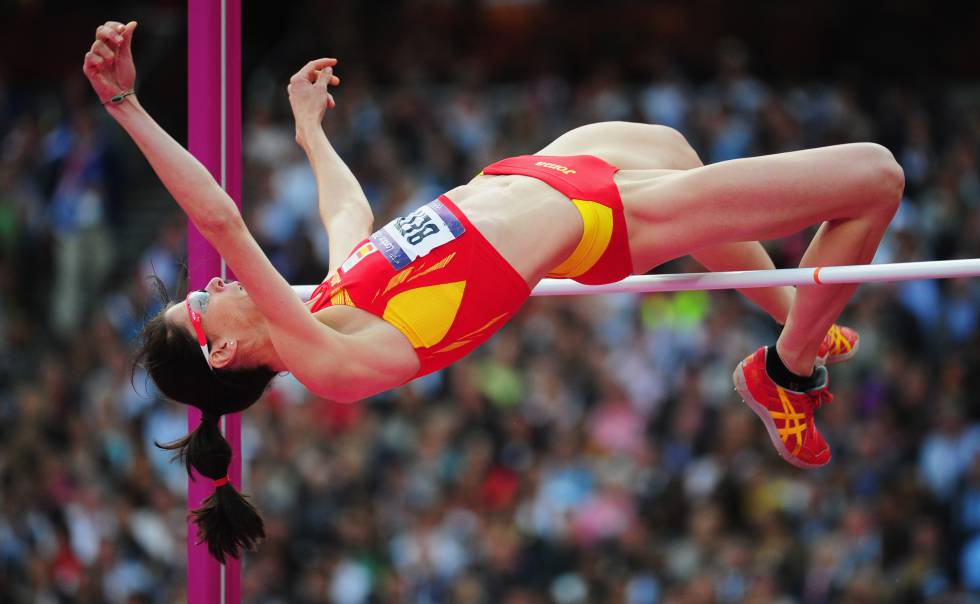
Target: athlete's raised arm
point(303, 343)
point(109, 67)
point(344, 209)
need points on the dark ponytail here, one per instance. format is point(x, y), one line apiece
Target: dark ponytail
point(173, 359)
point(225, 520)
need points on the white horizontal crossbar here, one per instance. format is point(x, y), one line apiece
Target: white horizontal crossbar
point(827, 275)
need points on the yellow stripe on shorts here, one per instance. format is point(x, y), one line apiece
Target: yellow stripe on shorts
point(596, 235)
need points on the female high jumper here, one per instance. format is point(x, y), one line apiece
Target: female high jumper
point(601, 202)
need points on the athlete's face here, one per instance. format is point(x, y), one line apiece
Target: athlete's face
point(225, 314)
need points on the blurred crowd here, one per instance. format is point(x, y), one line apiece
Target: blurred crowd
point(593, 452)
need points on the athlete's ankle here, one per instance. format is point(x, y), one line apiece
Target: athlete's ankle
point(797, 360)
point(791, 373)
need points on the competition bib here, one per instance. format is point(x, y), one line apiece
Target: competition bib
point(410, 237)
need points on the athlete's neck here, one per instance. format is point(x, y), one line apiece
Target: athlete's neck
point(261, 353)
point(266, 356)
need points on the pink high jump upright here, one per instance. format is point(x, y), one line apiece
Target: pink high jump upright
point(214, 124)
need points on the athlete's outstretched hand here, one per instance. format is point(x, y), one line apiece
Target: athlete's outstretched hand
point(109, 63)
point(308, 95)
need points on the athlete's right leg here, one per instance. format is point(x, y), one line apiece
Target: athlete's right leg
point(853, 189)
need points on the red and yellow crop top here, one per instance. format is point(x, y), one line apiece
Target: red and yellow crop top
point(433, 276)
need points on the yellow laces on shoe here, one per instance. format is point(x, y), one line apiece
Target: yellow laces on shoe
point(795, 423)
point(838, 341)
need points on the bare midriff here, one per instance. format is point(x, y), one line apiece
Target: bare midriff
point(533, 226)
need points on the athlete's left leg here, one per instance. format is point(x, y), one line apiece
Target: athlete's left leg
point(649, 147)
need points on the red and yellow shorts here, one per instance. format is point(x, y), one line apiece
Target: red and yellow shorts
point(603, 253)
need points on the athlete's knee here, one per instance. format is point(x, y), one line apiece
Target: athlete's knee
point(885, 175)
point(875, 178)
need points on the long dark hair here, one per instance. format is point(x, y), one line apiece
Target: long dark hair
point(172, 357)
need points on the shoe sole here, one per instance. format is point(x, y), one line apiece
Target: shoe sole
point(840, 358)
point(760, 410)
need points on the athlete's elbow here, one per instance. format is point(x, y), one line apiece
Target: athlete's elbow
point(335, 390)
point(349, 399)
point(342, 396)
point(221, 224)
point(350, 215)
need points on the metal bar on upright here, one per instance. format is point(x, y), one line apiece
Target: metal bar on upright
point(827, 275)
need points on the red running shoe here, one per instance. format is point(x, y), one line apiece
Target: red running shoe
point(839, 345)
point(787, 415)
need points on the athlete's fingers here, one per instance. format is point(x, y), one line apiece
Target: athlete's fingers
point(95, 61)
point(323, 77)
point(330, 102)
point(306, 71)
point(100, 48)
point(327, 77)
point(126, 46)
point(90, 67)
point(313, 76)
point(110, 36)
point(320, 64)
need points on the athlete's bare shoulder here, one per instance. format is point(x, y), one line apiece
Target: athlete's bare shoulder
point(352, 356)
